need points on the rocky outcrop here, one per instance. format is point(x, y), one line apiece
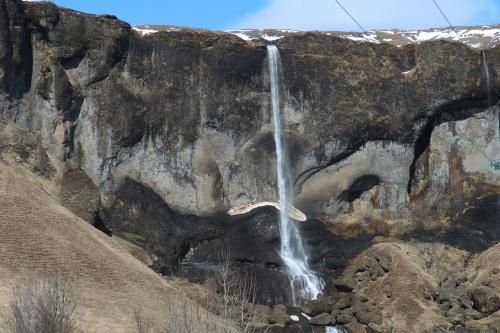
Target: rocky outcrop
point(15, 51)
point(169, 131)
point(186, 112)
point(418, 287)
point(80, 195)
point(455, 182)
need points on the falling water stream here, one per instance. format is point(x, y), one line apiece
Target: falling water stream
point(305, 284)
point(487, 72)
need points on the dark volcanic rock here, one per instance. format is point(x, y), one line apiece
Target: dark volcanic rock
point(345, 317)
point(15, 51)
point(24, 148)
point(187, 111)
point(80, 195)
point(191, 246)
point(142, 217)
point(76, 40)
point(485, 299)
point(355, 328)
point(279, 315)
point(323, 319)
point(175, 128)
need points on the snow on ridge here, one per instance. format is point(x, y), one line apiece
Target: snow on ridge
point(243, 36)
point(467, 36)
point(475, 37)
point(144, 32)
point(489, 36)
point(249, 34)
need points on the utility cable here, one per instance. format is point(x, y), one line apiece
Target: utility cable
point(352, 17)
point(446, 18)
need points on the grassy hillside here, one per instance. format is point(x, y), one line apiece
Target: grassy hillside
point(38, 234)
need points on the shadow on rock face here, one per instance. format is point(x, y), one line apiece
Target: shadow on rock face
point(80, 195)
point(475, 227)
point(140, 216)
point(360, 185)
point(192, 247)
point(329, 254)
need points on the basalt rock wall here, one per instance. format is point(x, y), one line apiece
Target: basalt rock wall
point(187, 112)
point(175, 128)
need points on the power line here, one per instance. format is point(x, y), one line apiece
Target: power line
point(352, 17)
point(446, 18)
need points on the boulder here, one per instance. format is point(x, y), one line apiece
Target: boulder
point(354, 327)
point(279, 315)
point(369, 317)
point(323, 319)
point(346, 285)
point(456, 315)
point(323, 304)
point(485, 299)
point(342, 301)
point(345, 316)
point(395, 299)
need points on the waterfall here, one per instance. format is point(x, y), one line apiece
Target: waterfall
point(305, 284)
point(333, 329)
point(487, 72)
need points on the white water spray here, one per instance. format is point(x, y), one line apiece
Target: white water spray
point(304, 282)
point(487, 72)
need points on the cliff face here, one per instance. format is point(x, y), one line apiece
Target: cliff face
point(187, 112)
point(175, 128)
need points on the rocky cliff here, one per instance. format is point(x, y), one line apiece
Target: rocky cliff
point(170, 130)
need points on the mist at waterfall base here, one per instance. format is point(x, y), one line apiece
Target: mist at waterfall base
point(305, 284)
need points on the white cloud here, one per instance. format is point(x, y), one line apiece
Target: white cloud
point(372, 14)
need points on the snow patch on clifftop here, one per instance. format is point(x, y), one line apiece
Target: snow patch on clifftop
point(476, 37)
point(145, 30)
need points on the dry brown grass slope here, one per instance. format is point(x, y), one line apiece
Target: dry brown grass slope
point(36, 233)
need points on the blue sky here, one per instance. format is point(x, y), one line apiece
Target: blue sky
point(294, 14)
point(211, 14)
